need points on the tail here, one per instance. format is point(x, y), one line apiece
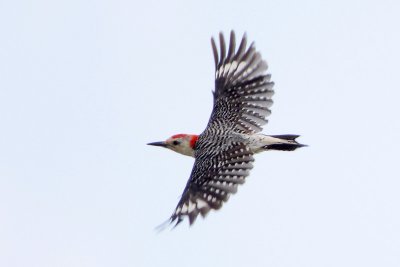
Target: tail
point(287, 142)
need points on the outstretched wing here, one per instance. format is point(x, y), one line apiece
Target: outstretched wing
point(242, 99)
point(215, 176)
point(243, 90)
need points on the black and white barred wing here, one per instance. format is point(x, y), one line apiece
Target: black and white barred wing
point(243, 90)
point(215, 176)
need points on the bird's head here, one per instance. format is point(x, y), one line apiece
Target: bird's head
point(181, 143)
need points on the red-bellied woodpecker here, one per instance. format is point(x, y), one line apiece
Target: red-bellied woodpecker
point(224, 151)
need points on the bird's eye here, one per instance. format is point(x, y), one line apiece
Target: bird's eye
point(176, 142)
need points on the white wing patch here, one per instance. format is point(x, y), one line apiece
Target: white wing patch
point(201, 203)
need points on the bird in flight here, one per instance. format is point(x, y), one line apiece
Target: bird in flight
point(224, 151)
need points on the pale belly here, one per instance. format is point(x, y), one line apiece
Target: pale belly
point(260, 142)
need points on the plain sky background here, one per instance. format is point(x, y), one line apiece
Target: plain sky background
point(84, 85)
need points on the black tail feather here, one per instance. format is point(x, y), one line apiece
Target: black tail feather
point(290, 146)
point(284, 147)
point(286, 136)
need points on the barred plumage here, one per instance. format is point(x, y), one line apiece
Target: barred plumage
point(215, 175)
point(243, 91)
point(242, 99)
point(224, 151)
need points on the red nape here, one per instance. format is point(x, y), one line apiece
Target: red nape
point(193, 140)
point(178, 135)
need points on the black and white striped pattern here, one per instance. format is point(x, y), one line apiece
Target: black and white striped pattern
point(214, 177)
point(242, 99)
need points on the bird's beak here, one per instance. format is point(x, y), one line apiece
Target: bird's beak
point(163, 144)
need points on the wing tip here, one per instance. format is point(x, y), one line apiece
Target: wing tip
point(215, 51)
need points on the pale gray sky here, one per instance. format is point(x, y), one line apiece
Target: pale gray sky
point(84, 85)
